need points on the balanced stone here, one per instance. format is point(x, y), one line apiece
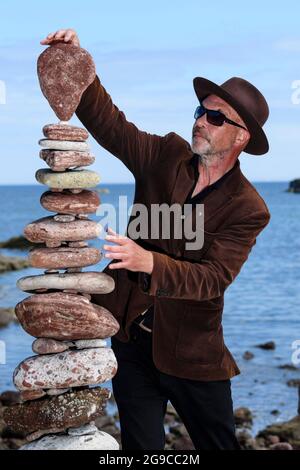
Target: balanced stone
point(56, 414)
point(52, 346)
point(86, 202)
point(64, 145)
point(85, 430)
point(49, 346)
point(60, 160)
point(98, 441)
point(31, 394)
point(63, 257)
point(63, 316)
point(65, 132)
point(67, 369)
point(47, 229)
point(64, 72)
point(67, 179)
point(90, 282)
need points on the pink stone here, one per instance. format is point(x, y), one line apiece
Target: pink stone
point(63, 257)
point(59, 160)
point(65, 132)
point(85, 202)
point(64, 72)
point(63, 316)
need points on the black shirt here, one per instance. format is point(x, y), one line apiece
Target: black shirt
point(198, 198)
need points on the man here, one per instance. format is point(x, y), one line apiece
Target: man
point(168, 299)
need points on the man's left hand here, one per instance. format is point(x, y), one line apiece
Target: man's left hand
point(132, 256)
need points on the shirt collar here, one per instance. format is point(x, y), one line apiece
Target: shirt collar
point(216, 184)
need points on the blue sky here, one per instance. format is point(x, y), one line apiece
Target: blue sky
point(146, 55)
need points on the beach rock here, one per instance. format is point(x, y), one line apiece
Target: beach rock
point(248, 355)
point(47, 229)
point(90, 282)
point(64, 145)
point(243, 417)
point(269, 345)
point(98, 441)
point(66, 369)
point(293, 383)
point(64, 72)
point(281, 446)
point(59, 160)
point(7, 315)
point(86, 202)
point(294, 186)
point(12, 263)
point(67, 179)
point(55, 414)
point(52, 346)
point(85, 430)
point(49, 346)
point(53, 392)
point(288, 431)
point(65, 132)
point(63, 257)
point(89, 343)
point(63, 316)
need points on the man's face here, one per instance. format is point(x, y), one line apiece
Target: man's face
point(208, 140)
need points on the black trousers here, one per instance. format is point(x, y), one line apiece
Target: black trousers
point(142, 392)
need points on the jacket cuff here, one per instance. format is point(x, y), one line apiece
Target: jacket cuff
point(153, 284)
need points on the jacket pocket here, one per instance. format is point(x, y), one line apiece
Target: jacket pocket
point(200, 336)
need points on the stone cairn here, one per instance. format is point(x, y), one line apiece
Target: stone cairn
point(57, 386)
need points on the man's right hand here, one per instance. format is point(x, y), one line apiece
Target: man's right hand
point(62, 35)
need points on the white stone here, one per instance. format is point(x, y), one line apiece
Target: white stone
point(85, 430)
point(98, 441)
point(89, 343)
point(64, 145)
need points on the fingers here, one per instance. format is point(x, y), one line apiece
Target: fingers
point(117, 265)
point(61, 35)
point(117, 239)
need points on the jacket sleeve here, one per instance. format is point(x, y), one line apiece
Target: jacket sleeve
point(208, 278)
point(110, 128)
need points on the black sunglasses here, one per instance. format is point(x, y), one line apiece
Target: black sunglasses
point(214, 117)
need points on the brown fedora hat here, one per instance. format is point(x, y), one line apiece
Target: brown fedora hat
point(249, 103)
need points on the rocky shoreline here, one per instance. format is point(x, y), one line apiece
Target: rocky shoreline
point(278, 436)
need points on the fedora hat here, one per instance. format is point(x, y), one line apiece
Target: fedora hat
point(249, 103)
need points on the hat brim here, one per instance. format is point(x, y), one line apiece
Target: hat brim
point(258, 143)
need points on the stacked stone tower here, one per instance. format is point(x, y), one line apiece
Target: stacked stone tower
point(58, 385)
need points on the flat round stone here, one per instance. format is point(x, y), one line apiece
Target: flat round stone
point(65, 317)
point(59, 160)
point(90, 282)
point(85, 202)
point(49, 346)
point(97, 442)
point(62, 258)
point(67, 369)
point(67, 179)
point(64, 145)
point(65, 132)
point(58, 413)
point(47, 229)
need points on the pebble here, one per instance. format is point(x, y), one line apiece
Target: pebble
point(67, 369)
point(65, 132)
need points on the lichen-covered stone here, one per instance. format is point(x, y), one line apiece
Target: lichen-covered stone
point(56, 414)
point(67, 369)
point(65, 316)
point(64, 72)
point(67, 179)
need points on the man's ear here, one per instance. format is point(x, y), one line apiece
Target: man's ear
point(242, 138)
